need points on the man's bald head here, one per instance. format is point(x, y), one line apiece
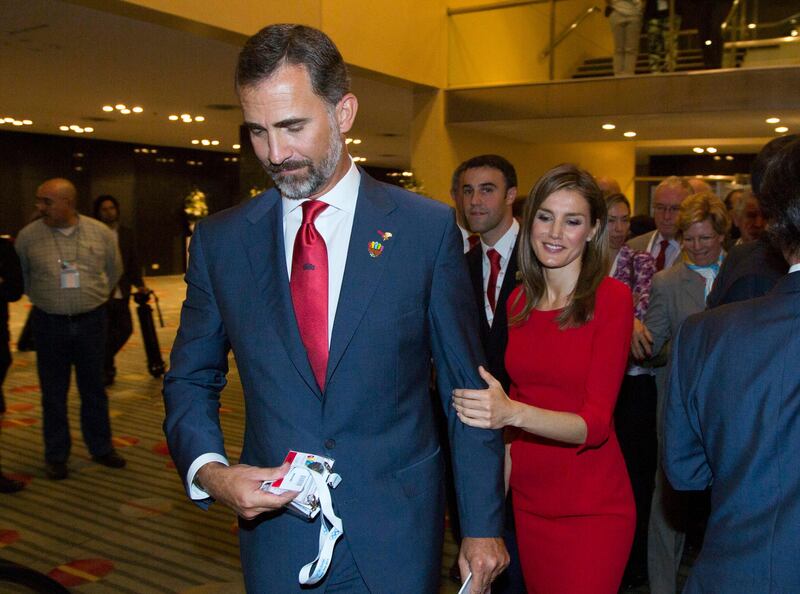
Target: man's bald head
point(699, 186)
point(55, 200)
point(608, 185)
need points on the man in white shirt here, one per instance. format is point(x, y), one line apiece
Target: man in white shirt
point(334, 292)
point(487, 189)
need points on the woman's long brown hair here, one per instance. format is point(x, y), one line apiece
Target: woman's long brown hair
point(594, 261)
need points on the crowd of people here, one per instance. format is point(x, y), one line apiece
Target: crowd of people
point(582, 388)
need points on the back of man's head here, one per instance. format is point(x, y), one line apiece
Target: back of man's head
point(780, 198)
point(294, 45)
point(493, 162)
point(763, 157)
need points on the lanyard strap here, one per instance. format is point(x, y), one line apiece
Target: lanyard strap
point(330, 529)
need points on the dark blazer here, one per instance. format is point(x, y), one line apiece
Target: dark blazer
point(749, 270)
point(11, 286)
point(398, 311)
point(731, 422)
point(131, 268)
point(495, 337)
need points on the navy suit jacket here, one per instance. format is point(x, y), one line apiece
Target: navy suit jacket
point(494, 338)
point(396, 312)
point(732, 422)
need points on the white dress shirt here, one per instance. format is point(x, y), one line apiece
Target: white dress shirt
point(504, 246)
point(794, 268)
point(335, 224)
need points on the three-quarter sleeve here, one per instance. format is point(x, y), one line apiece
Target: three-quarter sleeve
point(609, 355)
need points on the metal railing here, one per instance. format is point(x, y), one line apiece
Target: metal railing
point(555, 40)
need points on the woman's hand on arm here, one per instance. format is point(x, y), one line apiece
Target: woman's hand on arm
point(493, 409)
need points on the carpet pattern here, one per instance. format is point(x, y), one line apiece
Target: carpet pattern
point(129, 531)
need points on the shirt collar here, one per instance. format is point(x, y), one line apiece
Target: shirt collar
point(342, 196)
point(794, 268)
point(658, 238)
point(506, 243)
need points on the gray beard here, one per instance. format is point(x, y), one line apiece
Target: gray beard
point(297, 187)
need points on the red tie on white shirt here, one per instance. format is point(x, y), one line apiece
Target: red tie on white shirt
point(661, 258)
point(309, 288)
point(494, 271)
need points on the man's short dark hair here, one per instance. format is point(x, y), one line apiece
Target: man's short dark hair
point(99, 202)
point(296, 45)
point(780, 197)
point(492, 161)
point(759, 166)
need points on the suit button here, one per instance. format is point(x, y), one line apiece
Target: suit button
point(330, 444)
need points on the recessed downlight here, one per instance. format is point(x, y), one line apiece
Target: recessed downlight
point(629, 134)
point(711, 150)
point(773, 120)
point(608, 127)
point(781, 129)
point(699, 150)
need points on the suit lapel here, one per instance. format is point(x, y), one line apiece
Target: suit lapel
point(363, 270)
point(697, 288)
point(509, 283)
point(263, 240)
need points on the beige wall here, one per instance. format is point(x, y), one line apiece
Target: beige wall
point(504, 45)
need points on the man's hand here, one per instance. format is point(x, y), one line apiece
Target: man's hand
point(486, 558)
point(239, 487)
point(641, 341)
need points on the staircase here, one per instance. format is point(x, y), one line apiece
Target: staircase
point(688, 59)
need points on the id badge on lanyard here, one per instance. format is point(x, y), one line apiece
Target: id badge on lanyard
point(70, 277)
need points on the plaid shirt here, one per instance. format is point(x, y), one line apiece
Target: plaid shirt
point(92, 247)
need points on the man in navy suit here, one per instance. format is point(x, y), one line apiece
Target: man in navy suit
point(487, 190)
point(732, 420)
point(334, 292)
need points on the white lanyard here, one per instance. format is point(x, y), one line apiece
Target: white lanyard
point(330, 529)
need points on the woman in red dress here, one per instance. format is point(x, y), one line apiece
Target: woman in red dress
point(569, 334)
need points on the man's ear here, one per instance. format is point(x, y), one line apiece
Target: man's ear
point(511, 195)
point(346, 111)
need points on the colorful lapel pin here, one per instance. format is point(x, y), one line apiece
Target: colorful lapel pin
point(376, 247)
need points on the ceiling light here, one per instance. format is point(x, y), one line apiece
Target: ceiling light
point(629, 134)
point(195, 141)
point(751, 26)
point(729, 157)
point(346, 140)
point(88, 129)
point(108, 108)
point(17, 122)
point(125, 111)
point(717, 158)
point(214, 142)
point(27, 122)
point(173, 117)
point(781, 129)
point(64, 128)
point(137, 109)
point(236, 147)
point(205, 142)
point(699, 150)
point(708, 42)
point(794, 33)
point(199, 118)
point(8, 120)
point(120, 106)
point(773, 120)
point(711, 150)
point(608, 126)
point(186, 116)
point(356, 141)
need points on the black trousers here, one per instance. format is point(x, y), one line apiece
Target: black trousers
point(635, 421)
point(120, 328)
point(5, 363)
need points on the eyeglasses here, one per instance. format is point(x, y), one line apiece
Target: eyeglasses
point(662, 208)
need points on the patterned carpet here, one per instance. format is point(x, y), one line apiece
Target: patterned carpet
point(129, 531)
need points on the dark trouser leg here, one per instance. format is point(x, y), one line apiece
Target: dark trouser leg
point(120, 328)
point(510, 581)
point(5, 363)
point(89, 339)
point(51, 334)
point(635, 421)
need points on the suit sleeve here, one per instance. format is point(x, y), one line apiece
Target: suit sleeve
point(685, 462)
point(657, 318)
point(477, 454)
point(10, 273)
point(609, 357)
point(198, 369)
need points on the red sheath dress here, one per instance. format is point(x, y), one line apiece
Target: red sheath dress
point(573, 505)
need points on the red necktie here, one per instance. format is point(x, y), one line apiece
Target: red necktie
point(494, 270)
point(661, 258)
point(309, 287)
